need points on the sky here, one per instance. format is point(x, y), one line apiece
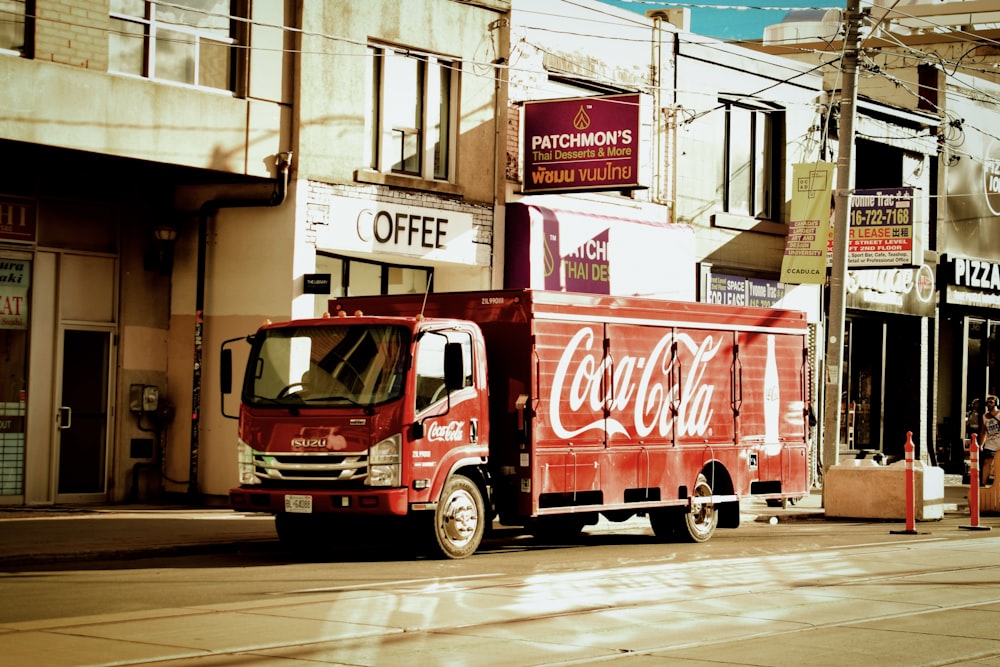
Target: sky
point(739, 20)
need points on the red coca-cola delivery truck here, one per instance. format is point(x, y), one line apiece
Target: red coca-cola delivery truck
point(451, 411)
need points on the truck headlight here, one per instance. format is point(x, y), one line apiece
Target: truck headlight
point(384, 462)
point(245, 465)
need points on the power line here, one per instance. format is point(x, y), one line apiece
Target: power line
point(690, 5)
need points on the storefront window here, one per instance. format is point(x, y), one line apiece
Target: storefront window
point(15, 276)
point(357, 277)
point(983, 359)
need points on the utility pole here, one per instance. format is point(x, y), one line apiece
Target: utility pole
point(838, 272)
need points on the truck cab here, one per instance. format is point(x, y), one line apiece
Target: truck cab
point(364, 417)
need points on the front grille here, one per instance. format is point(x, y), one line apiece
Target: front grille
point(310, 467)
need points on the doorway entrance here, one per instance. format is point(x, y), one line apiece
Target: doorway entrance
point(84, 416)
point(72, 378)
point(864, 370)
point(982, 358)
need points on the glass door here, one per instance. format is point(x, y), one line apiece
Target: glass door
point(84, 417)
point(982, 363)
point(861, 402)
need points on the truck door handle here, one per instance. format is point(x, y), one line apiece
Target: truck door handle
point(65, 417)
point(473, 431)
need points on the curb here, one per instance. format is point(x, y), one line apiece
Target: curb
point(136, 553)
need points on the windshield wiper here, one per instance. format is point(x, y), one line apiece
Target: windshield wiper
point(293, 399)
point(341, 397)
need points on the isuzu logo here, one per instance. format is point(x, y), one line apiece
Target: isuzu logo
point(309, 443)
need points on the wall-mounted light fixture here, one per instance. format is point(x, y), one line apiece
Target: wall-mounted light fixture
point(160, 257)
point(165, 233)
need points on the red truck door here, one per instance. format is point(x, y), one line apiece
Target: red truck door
point(573, 385)
point(771, 418)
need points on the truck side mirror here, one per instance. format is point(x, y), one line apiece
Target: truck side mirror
point(454, 373)
point(226, 371)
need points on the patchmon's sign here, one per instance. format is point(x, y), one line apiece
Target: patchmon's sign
point(584, 143)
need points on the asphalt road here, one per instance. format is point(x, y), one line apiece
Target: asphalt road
point(813, 592)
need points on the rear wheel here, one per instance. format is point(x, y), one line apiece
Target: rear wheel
point(460, 518)
point(700, 522)
point(665, 522)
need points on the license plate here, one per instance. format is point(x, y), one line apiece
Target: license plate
point(299, 504)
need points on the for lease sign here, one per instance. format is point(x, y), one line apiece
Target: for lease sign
point(583, 143)
point(881, 228)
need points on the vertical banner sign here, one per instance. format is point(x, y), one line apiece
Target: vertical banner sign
point(881, 228)
point(809, 228)
point(584, 143)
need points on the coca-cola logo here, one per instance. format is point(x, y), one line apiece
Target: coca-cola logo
point(450, 432)
point(586, 380)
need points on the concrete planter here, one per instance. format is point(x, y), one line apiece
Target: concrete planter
point(870, 491)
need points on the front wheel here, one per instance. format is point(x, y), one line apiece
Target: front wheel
point(460, 518)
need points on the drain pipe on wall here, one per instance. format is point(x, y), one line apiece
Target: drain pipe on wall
point(208, 209)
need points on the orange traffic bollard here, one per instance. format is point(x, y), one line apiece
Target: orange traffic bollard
point(910, 512)
point(974, 487)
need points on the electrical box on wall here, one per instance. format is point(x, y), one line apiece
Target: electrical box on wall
point(143, 398)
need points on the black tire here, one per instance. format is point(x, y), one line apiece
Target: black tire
point(296, 532)
point(700, 523)
point(665, 522)
point(460, 519)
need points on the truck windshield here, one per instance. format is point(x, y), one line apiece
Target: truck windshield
point(322, 366)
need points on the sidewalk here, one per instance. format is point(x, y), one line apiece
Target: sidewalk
point(60, 534)
point(34, 536)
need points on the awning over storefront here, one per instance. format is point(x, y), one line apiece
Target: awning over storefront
point(575, 251)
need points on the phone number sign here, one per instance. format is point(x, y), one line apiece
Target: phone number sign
point(881, 227)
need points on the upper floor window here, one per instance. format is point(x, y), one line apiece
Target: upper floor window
point(13, 27)
point(411, 118)
point(186, 41)
point(752, 161)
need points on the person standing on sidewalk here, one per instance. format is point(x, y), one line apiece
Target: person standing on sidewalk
point(989, 438)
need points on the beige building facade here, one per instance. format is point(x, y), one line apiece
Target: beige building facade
point(927, 89)
point(179, 172)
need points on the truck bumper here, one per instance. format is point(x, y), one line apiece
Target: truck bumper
point(383, 502)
